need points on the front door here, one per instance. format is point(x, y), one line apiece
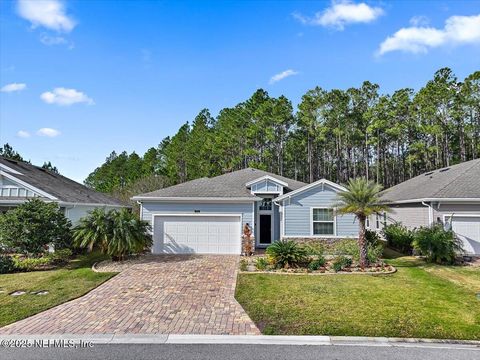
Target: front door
point(265, 229)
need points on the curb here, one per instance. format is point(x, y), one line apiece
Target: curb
point(105, 339)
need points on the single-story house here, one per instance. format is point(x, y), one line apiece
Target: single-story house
point(21, 181)
point(207, 215)
point(450, 196)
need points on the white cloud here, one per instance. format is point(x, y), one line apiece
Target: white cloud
point(47, 13)
point(65, 97)
point(341, 13)
point(48, 40)
point(419, 20)
point(13, 87)
point(458, 30)
point(23, 134)
point(49, 132)
point(282, 75)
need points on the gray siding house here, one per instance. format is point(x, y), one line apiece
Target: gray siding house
point(449, 196)
point(207, 215)
point(20, 181)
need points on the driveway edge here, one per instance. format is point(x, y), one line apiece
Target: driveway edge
point(246, 340)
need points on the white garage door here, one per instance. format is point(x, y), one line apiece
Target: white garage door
point(199, 234)
point(468, 229)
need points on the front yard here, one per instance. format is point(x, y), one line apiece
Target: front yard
point(420, 300)
point(67, 283)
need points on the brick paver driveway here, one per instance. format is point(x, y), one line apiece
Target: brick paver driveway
point(169, 294)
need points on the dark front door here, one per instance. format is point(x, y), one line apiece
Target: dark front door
point(265, 229)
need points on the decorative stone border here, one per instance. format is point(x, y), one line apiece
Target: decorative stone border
point(325, 273)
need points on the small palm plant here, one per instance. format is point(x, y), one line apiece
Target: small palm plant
point(116, 233)
point(286, 254)
point(129, 235)
point(362, 198)
point(93, 231)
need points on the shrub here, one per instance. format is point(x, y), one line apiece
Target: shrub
point(436, 244)
point(243, 265)
point(341, 262)
point(316, 264)
point(116, 233)
point(346, 247)
point(399, 237)
point(314, 248)
point(350, 248)
point(60, 257)
point(261, 264)
point(372, 237)
point(7, 265)
point(286, 254)
point(31, 226)
point(30, 264)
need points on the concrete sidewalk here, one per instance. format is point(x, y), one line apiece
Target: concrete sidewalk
point(6, 340)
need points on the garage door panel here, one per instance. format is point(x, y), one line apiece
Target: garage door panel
point(197, 234)
point(468, 230)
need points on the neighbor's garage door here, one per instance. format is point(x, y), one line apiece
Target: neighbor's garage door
point(199, 234)
point(468, 229)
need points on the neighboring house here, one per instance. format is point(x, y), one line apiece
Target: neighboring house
point(20, 181)
point(207, 215)
point(450, 196)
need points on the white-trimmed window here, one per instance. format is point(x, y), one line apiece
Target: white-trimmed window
point(323, 221)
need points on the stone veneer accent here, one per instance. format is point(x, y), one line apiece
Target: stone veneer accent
point(309, 240)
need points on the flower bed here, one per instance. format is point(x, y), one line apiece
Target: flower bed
point(331, 265)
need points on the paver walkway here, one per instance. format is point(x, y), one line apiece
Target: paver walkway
point(174, 294)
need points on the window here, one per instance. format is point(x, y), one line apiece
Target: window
point(266, 204)
point(323, 222)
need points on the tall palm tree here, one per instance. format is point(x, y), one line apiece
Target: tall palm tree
point(361, 199)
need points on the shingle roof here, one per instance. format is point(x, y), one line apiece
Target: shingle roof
point(230, 185)
point(460, 181)
point(62, 188)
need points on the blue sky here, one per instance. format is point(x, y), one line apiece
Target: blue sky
point(82, 78)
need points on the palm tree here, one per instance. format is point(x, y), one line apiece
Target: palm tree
point(93, 231)
point(116, 233)
point(129, 235)
point(361, 199)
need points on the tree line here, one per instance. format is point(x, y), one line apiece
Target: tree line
point(334, 134)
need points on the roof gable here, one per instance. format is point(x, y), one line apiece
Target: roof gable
point(53, 186)
point(318, 183)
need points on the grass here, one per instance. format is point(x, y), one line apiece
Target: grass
point(63, 284)
point(420, 300)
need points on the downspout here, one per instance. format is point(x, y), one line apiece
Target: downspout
point(430, 212)
point(141, 209)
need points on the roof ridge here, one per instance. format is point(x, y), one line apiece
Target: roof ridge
point(456, 177)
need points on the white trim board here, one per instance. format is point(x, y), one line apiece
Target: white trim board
point(411, 201)
point(195, 199)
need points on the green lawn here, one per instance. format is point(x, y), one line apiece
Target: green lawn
point(420, 300)
point(63, 284)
